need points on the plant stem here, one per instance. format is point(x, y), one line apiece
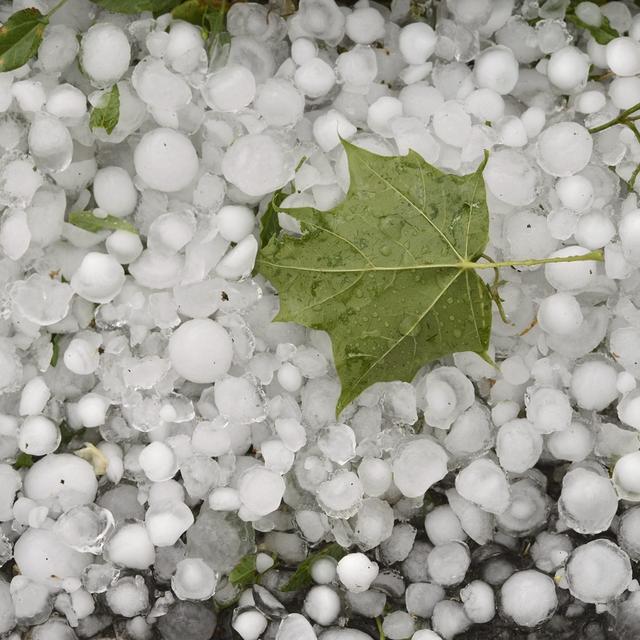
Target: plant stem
point(619, 119)
point(380, 631)
point(532, 262)
point(56, 7)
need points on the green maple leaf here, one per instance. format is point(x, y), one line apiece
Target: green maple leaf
point(390, 272)
point(106, 116)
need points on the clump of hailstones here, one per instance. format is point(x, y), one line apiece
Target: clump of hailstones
point(172, 464)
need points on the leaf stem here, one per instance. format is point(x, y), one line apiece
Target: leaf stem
point(619, 119)
point(532, 262)
point(380, 631)
point(56, 7)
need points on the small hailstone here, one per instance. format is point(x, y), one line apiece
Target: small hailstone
point(322, 604)
point(131, 547)
point(34, 397)
point(588, 501)
point(528, 598)
point(340, 496)
point(99, 278)
point(193, 580)
point(448, 563)
point(158, 461)
point(357, 572)
point(249, 624)
point(315, 78)
point(92, 409)
point(418, 464)
point(230, 88)
point(568, 69)
point(235, 222)
point(496, 68)
point(375, 475)
point(50, 143)
point(66, 101)
point(623, 56)
point(485, 484)
point(417, 42)
point(166, 160)
point(381, 113)
point(38, 436)
point(114, 191)
point(594, 384)
point(291, 432)
point(575, 192)
point(479, 601)
point(442, 525)
point(330, 127)
point(105, 53)
point(257, 164)
point(81, 356)
point(518, 446)
point(128, 597)
point(564, 149)
point(598, 571)
point(260, 490)
point(626, 477)
point(124, 246)
point(548, 409)
point(574, 443)
point(570, 276)
point(365, 25)
point(338, 443)
point(323, 570)
point(200, 350)
point(398, 625)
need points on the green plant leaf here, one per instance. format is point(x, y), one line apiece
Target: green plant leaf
point(269, 225)
point(23, 461)
point(55, 346)
point(389, 272)
point(125, 6)
point(244, 574)
point(20, 37)
point(89, 222)
point(602, 34)
point(301, 578)
point(158, 7)
point(107, 115)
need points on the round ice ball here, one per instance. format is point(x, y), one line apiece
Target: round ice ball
point(230, 88)
point(41, 554)
point(61, 478)
point(114, 191)
point(564, 149)
point(529, 598)
point(105, 53)
point(99, 278)
point(257, 164)
point(166, 160)
point(200, 350)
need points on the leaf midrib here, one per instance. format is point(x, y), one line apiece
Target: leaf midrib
point(463, 265)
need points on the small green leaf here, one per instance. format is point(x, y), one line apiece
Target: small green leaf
point(106, 116)
point(302, 575)
point(23, 461)
point(55, 339)
point(602, 34)
point(192, 11)
point(20, 38)
point(89, 222)
point(244, 573)
point(269, 225)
